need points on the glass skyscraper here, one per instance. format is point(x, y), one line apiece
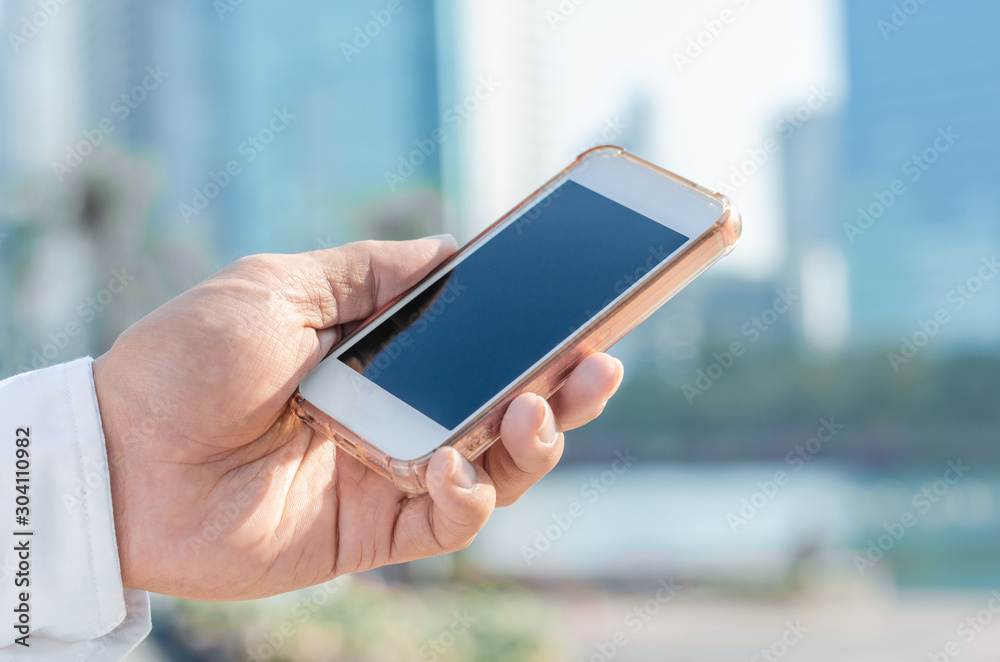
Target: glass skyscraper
point(904, 183)
point(312, 105)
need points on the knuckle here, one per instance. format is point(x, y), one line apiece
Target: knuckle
point(258, 261)
point(539, 460)
point(261, 265)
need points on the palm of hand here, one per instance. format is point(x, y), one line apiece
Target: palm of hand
point(220, 492)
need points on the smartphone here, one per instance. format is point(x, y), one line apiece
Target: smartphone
point(565, 274)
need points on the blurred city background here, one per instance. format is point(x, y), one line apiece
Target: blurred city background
point(804, 457)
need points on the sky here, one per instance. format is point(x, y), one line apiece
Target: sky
point(565, 76)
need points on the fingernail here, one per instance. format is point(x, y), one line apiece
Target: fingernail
point(547, 433)
point(463, 473)
point(620, 372)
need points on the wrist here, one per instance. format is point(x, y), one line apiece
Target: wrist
point(111, 424)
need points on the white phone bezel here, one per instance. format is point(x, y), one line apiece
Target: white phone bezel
point(403, 432)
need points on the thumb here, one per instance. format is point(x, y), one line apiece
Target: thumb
point(349, 283)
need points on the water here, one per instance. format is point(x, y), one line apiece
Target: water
point(748, 523)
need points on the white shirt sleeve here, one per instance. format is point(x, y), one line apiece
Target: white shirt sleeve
point(59, 573)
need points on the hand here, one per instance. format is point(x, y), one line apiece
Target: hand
point(221, 493)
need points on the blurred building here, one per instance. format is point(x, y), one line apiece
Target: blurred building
point(310, 108)
point(170, 138)
point(895, 202)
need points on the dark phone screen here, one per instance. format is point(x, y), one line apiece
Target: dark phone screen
point(495, 314)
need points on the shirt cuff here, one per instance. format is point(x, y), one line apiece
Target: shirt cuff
point(76, 604)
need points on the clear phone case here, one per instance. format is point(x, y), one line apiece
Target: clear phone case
point(479, 433)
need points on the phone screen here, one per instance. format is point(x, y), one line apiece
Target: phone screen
point(496, 313)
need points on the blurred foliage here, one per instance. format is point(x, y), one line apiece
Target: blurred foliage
point(352, 620)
